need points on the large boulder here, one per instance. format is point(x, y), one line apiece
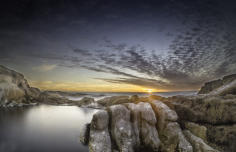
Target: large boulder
point(143, 122)
point(148, 133)
point(99, 139)
point(121, 129)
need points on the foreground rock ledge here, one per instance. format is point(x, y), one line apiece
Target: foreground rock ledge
point(145, 126)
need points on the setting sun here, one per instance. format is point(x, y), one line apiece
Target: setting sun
point(148, 90)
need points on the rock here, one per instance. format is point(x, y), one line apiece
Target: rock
point(134, 98)
point(149, 134)
point(155, 123)
point(11, 92)
point(213, 85)
point(198, 144)
point(109, 101)
point(222, 136)
point(52, 98)
point(209, 109)
point(164, 113)
point(99, 139)
point(197, 130)
point(84, 134)
point(135, 122)
point(173, 139)
point(229, 88)
point(15, 88)
point(121, 130)
point(143, 122)
point(85, 101)
point(210, 86)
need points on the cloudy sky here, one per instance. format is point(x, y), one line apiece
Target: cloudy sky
point(119, 45)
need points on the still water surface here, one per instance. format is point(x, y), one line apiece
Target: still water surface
point(43, 128)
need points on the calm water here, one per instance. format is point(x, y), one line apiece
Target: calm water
point(48, 128)
point(43, 128)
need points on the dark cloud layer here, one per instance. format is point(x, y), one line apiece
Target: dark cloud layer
point(202, 33)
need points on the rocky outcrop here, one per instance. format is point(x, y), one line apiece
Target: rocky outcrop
point(15, 90)
point(211, 118)
point(216, 84)
point(138, 127)
point(180, 123)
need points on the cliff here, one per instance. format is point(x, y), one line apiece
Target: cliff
point(14, 89)
point(217, 84)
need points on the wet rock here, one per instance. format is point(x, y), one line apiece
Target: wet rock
point(198, 144)
point(99, 139)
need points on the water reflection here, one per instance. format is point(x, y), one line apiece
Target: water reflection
point(43, 129)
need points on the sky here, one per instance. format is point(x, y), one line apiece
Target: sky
point(118, 45)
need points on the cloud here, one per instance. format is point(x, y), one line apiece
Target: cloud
point(45, 67)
